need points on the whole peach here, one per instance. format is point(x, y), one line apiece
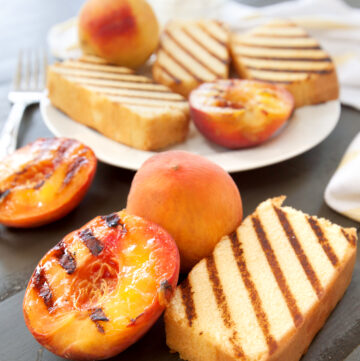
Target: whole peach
point(124, 32)
point(195, 200)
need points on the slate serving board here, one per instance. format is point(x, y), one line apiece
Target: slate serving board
point(24, 24)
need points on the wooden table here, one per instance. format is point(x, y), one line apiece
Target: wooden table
point(24, 24)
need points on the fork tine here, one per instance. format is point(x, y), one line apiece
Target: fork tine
point(36, 70)
point(17, 78)
point(44, 68)
point(27, 69)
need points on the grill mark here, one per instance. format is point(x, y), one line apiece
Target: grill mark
point(65, 258)
point(224, 61)
point(211, 35)
point(282, 36)
point(311, 47)
point(4, 194)
point(188, 302)
point(73, 168)
point(130, 78)
point(39, 184)
point(218, 291)
point(141, 87)
point(182, 65)
point(293, 240)
point(91, 242)
point(97, 315)
point(276, 70)
point(112, 220)
point(192, 55)
point(60, 152)
point(274, 81)
point(350, 238)
point(324, 242)
point(150, 97)
point(104, 68)
point(221, 301)
point(41, 285)
point(277, 272)
point(168, 73)
point(327, 59)
point(256, 302)
point(134, 320)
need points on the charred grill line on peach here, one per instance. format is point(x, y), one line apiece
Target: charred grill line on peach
point(296, 245)
point(4, 194)
point(97, 314)
point(276, 270)
point(91, 242)
point(323, 240)
point(65, 258)
point(133, 320)
point(222, 303)
point(254, 296)
point(112, 220)
point(41, 285)
point(73, 168)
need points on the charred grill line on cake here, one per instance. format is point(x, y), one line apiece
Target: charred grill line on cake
point(222, 303)
point(191, 54)
point(91, 242)
point(187, 299)
point(254, 296)
point(350, 238)
point(323, 240)
point(41, 285)
point(296, 245)
point(276, 263)
point(65, 258)
point(276, 270)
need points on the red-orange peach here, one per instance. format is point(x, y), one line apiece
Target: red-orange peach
point(124, 32)
point(194, 199)
point(238, 113)
point(102, 287)
point(44, 180)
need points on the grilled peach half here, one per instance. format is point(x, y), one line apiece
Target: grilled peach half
point(238, 113)
point(102, 287)
point(44, 181)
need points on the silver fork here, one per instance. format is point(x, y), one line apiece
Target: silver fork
point(29, 82)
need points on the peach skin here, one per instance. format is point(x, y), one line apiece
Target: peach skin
point(195, 200)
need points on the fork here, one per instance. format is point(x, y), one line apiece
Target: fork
point(28, 85)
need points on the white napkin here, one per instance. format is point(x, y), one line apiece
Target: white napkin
point(332, 22)
point(343, 191)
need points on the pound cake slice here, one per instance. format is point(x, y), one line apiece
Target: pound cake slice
point(190, 53)
point(282, 52)
point(266, 290)
point(123, 106)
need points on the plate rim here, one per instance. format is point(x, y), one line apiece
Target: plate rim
point(45, 104)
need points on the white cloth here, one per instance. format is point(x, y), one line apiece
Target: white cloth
point(332, 22)
point(343, 191)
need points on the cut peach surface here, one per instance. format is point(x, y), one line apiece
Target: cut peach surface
point(238, 113)
point(102, 287)
point(44, 180)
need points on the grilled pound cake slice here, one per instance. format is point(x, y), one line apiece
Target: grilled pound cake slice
point(123, 106)
point(281, 52)
point(190, 53)
point(266, 290)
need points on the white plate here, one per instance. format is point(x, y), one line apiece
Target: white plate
point(307, 128)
